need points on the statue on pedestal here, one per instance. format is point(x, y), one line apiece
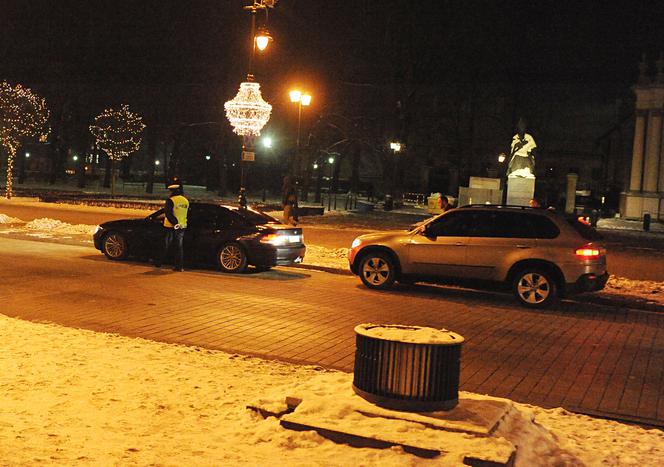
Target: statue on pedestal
point(522, 154)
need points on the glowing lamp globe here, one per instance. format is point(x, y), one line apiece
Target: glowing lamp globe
point(263, 38)
point(247, 111)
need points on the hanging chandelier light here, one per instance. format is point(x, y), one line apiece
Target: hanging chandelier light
point(247, 111)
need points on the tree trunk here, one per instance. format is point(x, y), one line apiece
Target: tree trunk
point(152, 157)
point(356, 154)
point(11, 153)
point(81, 170)
point(112, 177)
point(107, 173)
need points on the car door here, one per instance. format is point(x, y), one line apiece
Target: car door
point(499, 238)
point(207, 229)
point(440, 248)
point(148, 236)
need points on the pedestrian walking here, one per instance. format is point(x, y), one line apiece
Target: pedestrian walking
point(289, 202)
point(175, 224)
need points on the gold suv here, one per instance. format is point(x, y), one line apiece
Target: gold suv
point(540, 254)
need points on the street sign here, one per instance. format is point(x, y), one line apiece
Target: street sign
point(248, 156)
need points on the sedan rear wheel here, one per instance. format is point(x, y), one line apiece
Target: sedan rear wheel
point(115, 246)
point(535, 288)
point(377, 270)
point(232, 258)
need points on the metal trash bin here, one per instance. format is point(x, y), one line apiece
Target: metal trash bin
point(408, 368)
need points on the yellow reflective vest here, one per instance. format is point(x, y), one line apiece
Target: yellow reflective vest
point(180, 208)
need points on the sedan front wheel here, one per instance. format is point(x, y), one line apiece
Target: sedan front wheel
point(377, 270)
point(115, 246)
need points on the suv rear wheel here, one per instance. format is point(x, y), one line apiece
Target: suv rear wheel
point(377, 270)
point(535, 287)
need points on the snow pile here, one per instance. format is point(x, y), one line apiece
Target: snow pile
point(335, 258)
point(599, 442)
point(75, 397)
point(55, 226)
point(5, 219)
point(650, 291)
point(624, 224)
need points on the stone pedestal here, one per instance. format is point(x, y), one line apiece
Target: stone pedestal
point(633, 205)
point(520, 190)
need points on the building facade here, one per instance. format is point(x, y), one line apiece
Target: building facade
point(645, 190)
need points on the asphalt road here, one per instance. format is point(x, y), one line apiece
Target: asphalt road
point(633, 257)
point(595, 359)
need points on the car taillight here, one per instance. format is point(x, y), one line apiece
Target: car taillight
point(273, 239)
point(277, 239)
point(589, 251)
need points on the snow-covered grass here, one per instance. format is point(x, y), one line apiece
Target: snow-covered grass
point(75, 397)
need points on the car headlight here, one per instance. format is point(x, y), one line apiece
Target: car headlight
point(355, 243)
point(97, 229)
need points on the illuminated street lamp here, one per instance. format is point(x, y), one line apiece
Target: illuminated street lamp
point(301, 99)
point(263, 38)
point(247, 112)
point(396, 148)
point(501, 157)
point(267, 142)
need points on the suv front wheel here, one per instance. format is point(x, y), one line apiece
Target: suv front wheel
point(377, 270)
point(535, 287)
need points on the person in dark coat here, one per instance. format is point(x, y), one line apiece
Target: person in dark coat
point(289, 202)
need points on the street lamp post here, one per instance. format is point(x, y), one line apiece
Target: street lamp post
point(301, 99)
point(396, 148)
point(330, 160)
point(247, 111)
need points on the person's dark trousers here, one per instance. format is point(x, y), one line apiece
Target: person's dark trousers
point(176, 238)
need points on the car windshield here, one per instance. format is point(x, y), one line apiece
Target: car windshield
point(254, 217)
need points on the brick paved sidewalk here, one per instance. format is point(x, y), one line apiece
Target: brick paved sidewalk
point(586, 357)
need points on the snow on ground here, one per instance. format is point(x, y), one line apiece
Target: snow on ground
point(5, 219)
point(76, 397)
point(616, 223)
point(57, 227)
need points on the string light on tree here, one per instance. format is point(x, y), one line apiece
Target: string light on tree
point(118, 132)
point(23, 115)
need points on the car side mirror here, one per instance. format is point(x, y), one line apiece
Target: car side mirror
point(427, 231)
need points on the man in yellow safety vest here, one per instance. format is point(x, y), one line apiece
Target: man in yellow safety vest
point(175, 224)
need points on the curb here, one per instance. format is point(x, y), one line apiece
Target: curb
point(331, 270)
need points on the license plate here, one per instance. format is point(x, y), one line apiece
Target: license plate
point(294, 238)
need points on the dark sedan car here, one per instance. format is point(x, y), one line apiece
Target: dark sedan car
point(227, 236)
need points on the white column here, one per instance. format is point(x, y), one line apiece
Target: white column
point(661, 153)
point(652, 168)
point(637, 151)
point(570, 197)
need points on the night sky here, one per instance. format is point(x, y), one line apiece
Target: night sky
point(57, 46)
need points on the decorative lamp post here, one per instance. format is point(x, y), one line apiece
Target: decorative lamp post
point(247, 112)
point(301, 99)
